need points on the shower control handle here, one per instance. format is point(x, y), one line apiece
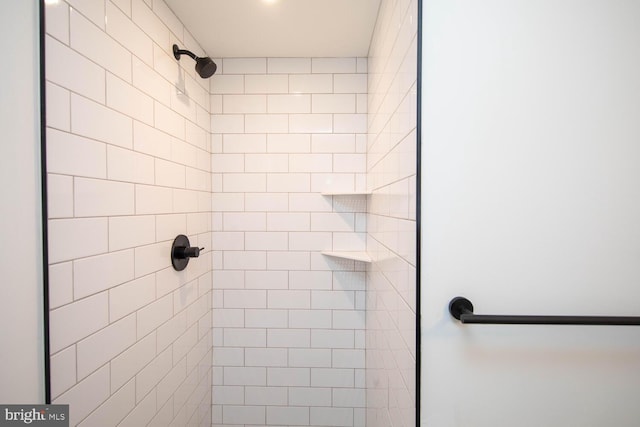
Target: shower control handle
point(181, 251)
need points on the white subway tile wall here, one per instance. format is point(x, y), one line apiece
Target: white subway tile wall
point(391, 226)
point(288, 323)
point(129, 166)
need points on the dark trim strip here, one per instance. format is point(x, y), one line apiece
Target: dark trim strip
point(45, 215)
point(418, 211)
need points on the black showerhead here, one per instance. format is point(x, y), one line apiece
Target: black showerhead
point(205, 67)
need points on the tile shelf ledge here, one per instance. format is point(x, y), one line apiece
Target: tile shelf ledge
point(345, 193)
point(353, 255)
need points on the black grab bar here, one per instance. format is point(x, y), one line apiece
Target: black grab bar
point(462, 309)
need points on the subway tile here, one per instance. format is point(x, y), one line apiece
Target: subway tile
point(101, 347)
point(265, 84)
point(227, 123)
point(77, 238)
point(333, 103)
point(169, 226)
point(186, 200)
point(350, 123)
point(350, 83)
point(266, 396)
point(286, 221)
point(96, 45)
point(312, 123)
point(266, 123)
point(58, 107)
point(127, 298)
point(150, 375)
point(266, 241)
point(266, 163)
point(293, 103)
point(244, 221)
point(344, 358)
point(128, 100)
point(309, 241)
point(349, 280)
point(63, 371)
point(161, 9)
point(228, 395)
point(315, 319)
point(129, 166)
point(311, 83)
point(309, 396)
point(168, 332)
point(288, 377)
point(74, 155)
point(266, 280)
point(95, 274)
point(227, 356)
point(65, 328)
point(86, 396)
point(93, 197)
point(288, 338)
point(244, 143)
point(310, 280)
point(227, 163)
point(270, 318)
point(229, 240)
point(243, 415)
point(266, 357)
point(327, 182)
point(95, 121)
point(153, 200)
point(170, 383)
point(73, 71)
point(332, 377)
point(310, 163)
point(266, 202)
point(245, 299)
point(127, 364)
point(198, 180)
point(347, 319)
point(169, 121)
point(332, 221)
point(288, 182)
point(227, 279)
point(244, 65)
point(278, 260)
point(309, 202)
point(152, 258)
point(349, 398)
point(114, 409)
point(333, 143)
point(333, 65)
point(228, 318)
point(288, 299)
point(287, 415)
point(57, 21)
point(244, 182)
point(227, 84)
point(59, 196)
point(122, 29)
point(289, 65)
point(288, 143)
point(333, 300)
point(149, 22)
point(60, 284)
point(149, 140)
point(325, 338)
point(331, 416)
point(244, 104)
point(251, 376)
point(349, 163)
point(312, 358)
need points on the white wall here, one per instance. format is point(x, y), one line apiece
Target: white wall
point(128, 156)
point(531, 206)
point(288, 322)
point(21, 312)
point(391, 219)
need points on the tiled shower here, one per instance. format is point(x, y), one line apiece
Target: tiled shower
point(267, 165)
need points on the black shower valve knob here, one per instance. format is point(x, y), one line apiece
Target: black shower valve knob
point(182, 252)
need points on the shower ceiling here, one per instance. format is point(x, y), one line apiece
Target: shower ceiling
point(279, 28)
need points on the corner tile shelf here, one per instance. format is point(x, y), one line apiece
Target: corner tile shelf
point(345, 193)
point(353, 255)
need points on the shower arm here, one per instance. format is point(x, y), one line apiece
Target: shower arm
point(177, 52)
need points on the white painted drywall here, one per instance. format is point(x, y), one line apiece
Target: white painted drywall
point(531, 205)
point(21, 318)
